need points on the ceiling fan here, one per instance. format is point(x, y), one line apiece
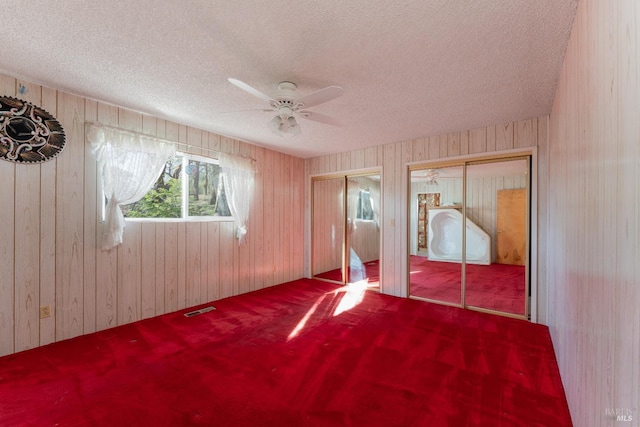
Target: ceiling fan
point(288, 105)
point(431, 176)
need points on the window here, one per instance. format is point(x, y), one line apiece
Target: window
point(189, 187)
point(365, 209)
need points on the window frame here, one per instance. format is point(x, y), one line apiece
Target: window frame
point(185, 217)
point(360, 208)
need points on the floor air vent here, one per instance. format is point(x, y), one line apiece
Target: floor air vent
point(200, 311)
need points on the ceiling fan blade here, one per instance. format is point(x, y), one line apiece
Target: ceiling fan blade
point(321, 118)
point(249, 89)
point(321, 96)
point(263, 110)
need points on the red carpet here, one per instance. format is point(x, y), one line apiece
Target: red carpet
point(371, 272)
point(300, 354)
point(496, 286)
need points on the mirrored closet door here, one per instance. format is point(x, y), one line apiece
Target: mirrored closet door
point(469, 234)
point(497, 204)
point(435, 255)
point(328, 228)
point(346, 229)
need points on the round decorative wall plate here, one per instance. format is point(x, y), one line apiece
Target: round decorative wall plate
point(28, 134)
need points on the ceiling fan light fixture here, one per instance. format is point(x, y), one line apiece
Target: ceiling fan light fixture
point(285, 125)
point(293, 126)
point(277, 125)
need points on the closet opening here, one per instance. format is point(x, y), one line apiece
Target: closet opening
point(469, 234)
point(345, 232)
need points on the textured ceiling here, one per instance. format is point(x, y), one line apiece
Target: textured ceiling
point(409, 69)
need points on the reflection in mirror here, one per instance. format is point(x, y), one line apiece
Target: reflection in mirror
point(363, 229)
point(328, 228)
point(435, 227)
point(496, 235)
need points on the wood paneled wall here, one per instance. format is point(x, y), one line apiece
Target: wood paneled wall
point(49, 254)
point(592, 211)
point(393, 159)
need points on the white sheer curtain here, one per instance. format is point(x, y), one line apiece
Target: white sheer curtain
point(237, 175)
point(129, 165)
point(353, 198)
point(374, 198)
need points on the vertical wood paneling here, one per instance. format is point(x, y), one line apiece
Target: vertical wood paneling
point(504, 136)
point(171, 266)
point(204, 265)
point(181, 246)
point(491, 138)
point(27, 248)
point(245, 250)
point(148, 270)
point(444, 146)
point(371, 157)
point(278, 220)
point(181, 269)
point(213, 261)
point(298, 237)
point(627, 23)
point(259, 247)
point(542, 218)
point(160, 306)
point(130, 251)
point(172, 133)
point(478, 141)
point(434, 148)
point(48, 232)
point(227, 231)
point(357, 159)
point(194, 264)
point(7, 242)
point(70, 220)
point(129, 274)
point(346, 159)
point(269, 232)
point(286, 223)
point(403, 156)
point(148, 257)
point(332, 163)
point(106, 261)
point(464, 143)
point(592, 214)
point(419, 149)
point(453, 142)
point(524, 135)
point(389, 229)
point(90, 226)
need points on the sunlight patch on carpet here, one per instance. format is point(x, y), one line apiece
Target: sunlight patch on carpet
point(302, 323)
point(353, 294)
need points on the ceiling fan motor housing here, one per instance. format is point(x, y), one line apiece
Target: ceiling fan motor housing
point(286, 92)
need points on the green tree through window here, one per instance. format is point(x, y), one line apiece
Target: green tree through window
point(190, 186)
